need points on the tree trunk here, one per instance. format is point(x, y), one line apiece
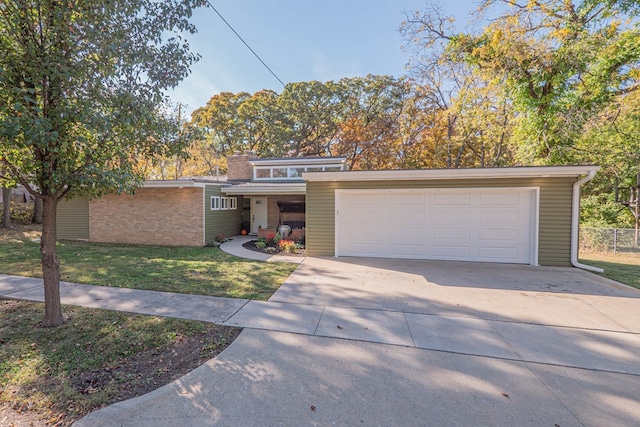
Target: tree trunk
point(50, 264)
point(6, 212)
point(37, 211)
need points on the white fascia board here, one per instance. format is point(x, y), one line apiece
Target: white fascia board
point(299, 161)
point(429, 174)
point(255, 191)
point(178, 184)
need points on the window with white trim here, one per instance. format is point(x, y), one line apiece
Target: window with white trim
point(224, 203)
point(284, 173)
point(233, 203)
point(215, 203)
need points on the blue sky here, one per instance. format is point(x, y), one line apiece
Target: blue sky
point(300, 40)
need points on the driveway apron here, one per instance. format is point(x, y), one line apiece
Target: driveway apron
point(416, 343)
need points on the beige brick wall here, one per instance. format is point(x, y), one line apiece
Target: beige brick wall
point(153, 216)
point(238, 167)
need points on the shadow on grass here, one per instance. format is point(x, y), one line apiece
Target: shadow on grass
point(190, 270)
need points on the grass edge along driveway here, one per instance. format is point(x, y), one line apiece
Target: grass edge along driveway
point(189, 270)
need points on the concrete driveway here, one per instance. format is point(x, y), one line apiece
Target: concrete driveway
point(394, 342)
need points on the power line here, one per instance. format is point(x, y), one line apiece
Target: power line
point(245, 43)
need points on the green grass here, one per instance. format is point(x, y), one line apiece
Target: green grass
point(97, 357)
point(622, 268)
point(202, 271)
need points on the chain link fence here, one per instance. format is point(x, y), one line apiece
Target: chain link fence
point(609, 240)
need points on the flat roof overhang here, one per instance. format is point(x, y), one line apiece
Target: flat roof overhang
point(264, 190)
point(434, 174)
point(299, 161)
point(176, 184)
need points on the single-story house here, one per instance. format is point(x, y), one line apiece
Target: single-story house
point(258, 195)
point(177, 213)
point(523, 215)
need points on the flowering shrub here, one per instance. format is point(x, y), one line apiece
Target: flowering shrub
point(287, 246)
point(273, 239)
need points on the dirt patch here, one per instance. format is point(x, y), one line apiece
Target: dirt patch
point(82, 391)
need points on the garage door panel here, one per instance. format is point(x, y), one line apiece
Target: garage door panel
point(406, 250)
point(447, 216)
point(451, 199)
point(364, 213)
point(365, 249)
point(499, 234)
point(503, 199)
point(407, 214)
point(493, 225)
point(500, 217)
point(499, 254)
point(451, 252)
point(365, 199)
point(448, 233)
point(409, 232)
point(410, 199)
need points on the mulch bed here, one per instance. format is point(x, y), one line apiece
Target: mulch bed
point(251, 245)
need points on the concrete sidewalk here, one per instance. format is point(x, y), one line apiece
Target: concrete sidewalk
point(382, 342)
point(617, 351)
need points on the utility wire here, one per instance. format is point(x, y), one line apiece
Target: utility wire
point(245, 43)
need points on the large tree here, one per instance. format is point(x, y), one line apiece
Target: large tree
point(562, 62)
point(81, 85)
point(473, 118)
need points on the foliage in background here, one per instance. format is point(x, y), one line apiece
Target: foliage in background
point(21, 213)
point(546, 82)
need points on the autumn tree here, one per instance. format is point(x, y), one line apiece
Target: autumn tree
point(472, 110)
point(81, 84)
point(612, 140)
point(562, 62)
point(370, 126)
point(310, 112)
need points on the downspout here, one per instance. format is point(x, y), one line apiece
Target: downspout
point(575, 223)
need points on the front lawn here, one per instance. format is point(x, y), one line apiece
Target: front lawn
point(53, 376)
point(203, 271)
point(622, 268)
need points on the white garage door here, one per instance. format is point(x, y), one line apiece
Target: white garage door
point(491, 225)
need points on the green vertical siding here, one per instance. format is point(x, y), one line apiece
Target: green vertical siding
point(554, 242)
point(217, 222)
point(73, 219)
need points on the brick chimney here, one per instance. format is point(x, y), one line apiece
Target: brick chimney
point(238, 167)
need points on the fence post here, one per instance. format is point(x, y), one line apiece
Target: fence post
point(615, 241)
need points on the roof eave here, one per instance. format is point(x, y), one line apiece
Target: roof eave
point(174, 184)
point(298, 161)
point(433, 174)
point(264, 191)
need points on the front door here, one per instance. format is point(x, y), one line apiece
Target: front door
point(259, 216)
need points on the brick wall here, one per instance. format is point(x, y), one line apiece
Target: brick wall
point(153, 216)
point(238, 167)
